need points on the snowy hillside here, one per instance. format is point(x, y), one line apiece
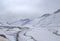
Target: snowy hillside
point(42, 28)
point(49, 21)
point(13, 21)
point(20, 22)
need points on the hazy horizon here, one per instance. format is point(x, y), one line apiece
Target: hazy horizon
point(28, 8)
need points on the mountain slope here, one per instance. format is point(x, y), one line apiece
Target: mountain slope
point(47, 19)
point(20, 22)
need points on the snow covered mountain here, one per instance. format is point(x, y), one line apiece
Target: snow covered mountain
point(45, 28)
point(41, 21)
point(20, 22)
point(47, 19)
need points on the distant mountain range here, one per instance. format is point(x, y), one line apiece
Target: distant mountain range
point(47, 20)
point(20, 22)
point(44, 20)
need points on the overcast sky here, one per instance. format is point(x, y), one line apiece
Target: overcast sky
point(29, 8)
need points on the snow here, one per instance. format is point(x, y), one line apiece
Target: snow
point(38, 34)
point(42, 34)
point(40, 29)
